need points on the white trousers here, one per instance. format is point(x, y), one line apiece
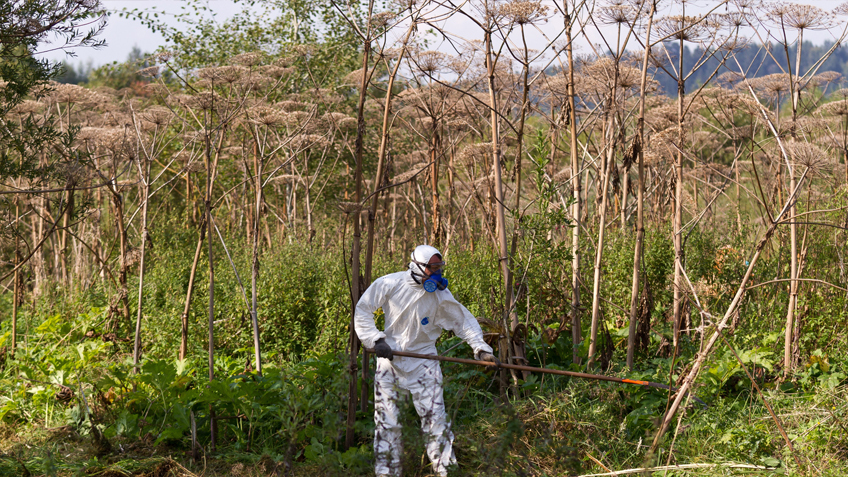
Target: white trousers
point(425, 385)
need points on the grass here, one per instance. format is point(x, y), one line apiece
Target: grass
point(567, 428)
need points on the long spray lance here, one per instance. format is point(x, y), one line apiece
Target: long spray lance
point(533, 369)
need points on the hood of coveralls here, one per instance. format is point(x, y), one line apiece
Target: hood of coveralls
point(422, 254)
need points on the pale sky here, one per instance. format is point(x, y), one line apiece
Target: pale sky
point(122, 34)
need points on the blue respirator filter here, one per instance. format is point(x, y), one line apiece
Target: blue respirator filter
point(435, 282)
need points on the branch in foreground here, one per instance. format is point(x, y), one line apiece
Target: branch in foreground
point(729, 465)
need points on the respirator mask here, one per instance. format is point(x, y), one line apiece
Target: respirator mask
point(435, 282)
point(422, 264)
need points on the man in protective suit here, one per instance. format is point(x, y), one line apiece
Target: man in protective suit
point(417, 306)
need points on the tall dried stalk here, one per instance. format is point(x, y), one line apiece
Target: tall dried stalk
point(613, 131)
point(638, 141)
point(576, 327)
point(190, 291)
point(144, 178)
point(353, 342)
point(254, 262)
point(500, 216)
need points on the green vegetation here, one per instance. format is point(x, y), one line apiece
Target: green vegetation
point(72, 374)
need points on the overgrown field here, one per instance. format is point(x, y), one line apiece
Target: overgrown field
point(72, 405)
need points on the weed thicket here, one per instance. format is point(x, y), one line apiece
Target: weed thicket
point(72, 404)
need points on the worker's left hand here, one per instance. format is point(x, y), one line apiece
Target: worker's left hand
point(486, 356)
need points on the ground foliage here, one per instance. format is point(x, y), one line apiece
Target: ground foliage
point(74, 376)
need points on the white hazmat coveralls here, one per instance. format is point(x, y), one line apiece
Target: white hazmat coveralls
point(414, 319)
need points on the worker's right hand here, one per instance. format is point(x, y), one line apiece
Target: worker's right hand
point(484, 356)
point(383, 350)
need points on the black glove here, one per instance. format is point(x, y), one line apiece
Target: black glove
point(486, 356)
point(382, 349)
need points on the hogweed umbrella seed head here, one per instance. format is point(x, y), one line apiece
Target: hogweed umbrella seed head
point(232, 74)
point(734, 19)
point(383, 19)
point(304, 141)
point(295, 119)
point(405, 4)
point(387, 53)
point(825, 78)
point(459, 65)
point(617, 14)
point(557, 84)
point(149, 72)
point(835, 108)
point(222, 74)
point(419, 170)
point(478, 151)
point(265, 116)
point(248, 59)
point(275, 72)
point(799, 17)
point(156, 89)
point(841, 93)
point(458, 124)
point(773, 85)
point(354, 77)
point(162, 56)
point(429, 62)
point(284, 61)
point(207, 73)
point(339, 121)
point(524, 12)
point(291, 106)
point(807, 155)
point(207, 100)
point(679, 27)
point(729, 79)
point(746, 5)
point(27, 107)
point(157, 115)
point(88, 134)
point(305, 50)
point(732, 43)
point(70, 93)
